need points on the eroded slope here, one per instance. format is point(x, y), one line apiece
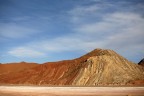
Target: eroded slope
point(108, 68)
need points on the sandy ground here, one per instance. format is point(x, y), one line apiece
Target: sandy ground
point(70, 91)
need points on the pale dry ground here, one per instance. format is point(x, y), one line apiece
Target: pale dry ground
point(70, 91)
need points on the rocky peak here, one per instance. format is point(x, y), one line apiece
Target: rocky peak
point(23, 62)
point(106, 52)
point(141, 62)
point(100, 52)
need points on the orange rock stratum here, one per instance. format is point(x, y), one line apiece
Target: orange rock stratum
point(99, 67)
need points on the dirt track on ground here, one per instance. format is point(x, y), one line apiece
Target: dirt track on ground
point(70, 91)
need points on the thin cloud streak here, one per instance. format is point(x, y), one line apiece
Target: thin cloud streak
point(25, 52)
point(12, 30)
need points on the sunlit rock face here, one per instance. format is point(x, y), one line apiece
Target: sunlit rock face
point(108, 68)
point(99, 67)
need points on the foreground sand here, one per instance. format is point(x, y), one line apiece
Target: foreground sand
point(70, 91)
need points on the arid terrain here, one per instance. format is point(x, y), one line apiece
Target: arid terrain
point(71, 48)
point(83, 76)
point(70, 91)
point(99, 67)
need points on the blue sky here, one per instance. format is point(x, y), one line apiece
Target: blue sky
point(51, 30)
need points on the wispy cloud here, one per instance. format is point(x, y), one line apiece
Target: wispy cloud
point(114, 23)
point(97, 25)
point(89, 13)
point(12, 30)
point(21, 18)
point(25, 52)
point(83, 10)
point(117, 31)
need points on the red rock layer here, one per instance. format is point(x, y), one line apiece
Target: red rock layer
point(12, 67)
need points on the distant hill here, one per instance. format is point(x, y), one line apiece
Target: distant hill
point(13, 67)
point(98, 67)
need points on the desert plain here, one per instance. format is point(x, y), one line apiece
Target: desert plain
point(70, 91)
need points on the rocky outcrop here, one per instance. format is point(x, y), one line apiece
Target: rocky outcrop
point(108, 68)
point(99, 67)
point(141, 62)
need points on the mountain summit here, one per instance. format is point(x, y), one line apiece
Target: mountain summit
point(98, 67)
point(141, 62)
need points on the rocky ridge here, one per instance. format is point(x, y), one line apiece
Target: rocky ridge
point(98, 67)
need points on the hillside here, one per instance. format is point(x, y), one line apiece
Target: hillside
point(98, 67)
point(13, 67)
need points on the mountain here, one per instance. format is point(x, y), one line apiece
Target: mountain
point(98, 67)
point(141, 62)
